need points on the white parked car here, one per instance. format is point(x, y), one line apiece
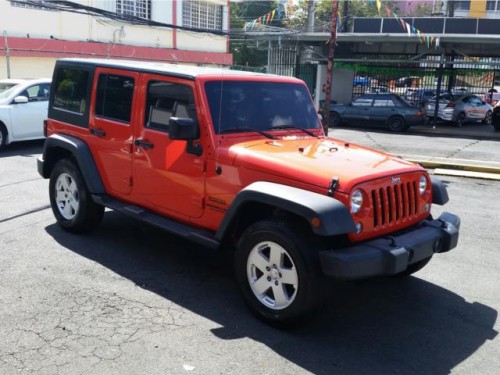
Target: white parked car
point(23, 108)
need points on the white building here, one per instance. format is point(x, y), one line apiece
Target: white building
point(34, 33)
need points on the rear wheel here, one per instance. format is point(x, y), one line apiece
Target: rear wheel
point(397, 124)
point(277, 278)
point(460, 121)
point(70, 200)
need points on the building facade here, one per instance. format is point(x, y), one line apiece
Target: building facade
point(37, 32)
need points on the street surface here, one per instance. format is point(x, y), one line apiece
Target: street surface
point(128, 299)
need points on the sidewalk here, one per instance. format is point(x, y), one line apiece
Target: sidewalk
point(470, 151)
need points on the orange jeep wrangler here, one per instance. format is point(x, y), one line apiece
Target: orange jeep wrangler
point(237, 160)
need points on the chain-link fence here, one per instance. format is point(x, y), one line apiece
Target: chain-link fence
point(417, 84)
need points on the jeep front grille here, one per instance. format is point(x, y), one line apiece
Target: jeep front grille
point(395, 203)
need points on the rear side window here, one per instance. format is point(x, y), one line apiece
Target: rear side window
point(362, 102)
point(114, 97)
point(69, 95)
point(71, 90)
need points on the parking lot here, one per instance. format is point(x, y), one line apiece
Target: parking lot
point(130, 299)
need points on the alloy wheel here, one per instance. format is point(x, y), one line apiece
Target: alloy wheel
point(67, 196)
point(272, 275)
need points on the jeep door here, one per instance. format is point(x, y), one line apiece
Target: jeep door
point(110, 127)
point(167, 177)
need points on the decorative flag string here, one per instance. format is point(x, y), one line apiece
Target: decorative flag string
point(411, 30)
point(284, 10)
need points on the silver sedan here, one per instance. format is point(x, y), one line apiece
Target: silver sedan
point(467, 108)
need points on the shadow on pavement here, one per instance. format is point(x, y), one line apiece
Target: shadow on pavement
point(26, 148)
point(469, 130)
point(378, 326)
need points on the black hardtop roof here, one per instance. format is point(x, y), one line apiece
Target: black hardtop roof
point(184, 71)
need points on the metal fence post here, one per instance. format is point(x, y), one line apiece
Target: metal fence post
point(7, 53)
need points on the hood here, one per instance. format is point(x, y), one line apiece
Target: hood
point(318, 161)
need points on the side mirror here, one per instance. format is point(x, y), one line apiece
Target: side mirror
point(20, 99)
point(184, 129)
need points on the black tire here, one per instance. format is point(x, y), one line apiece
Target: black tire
point(71, 203)
point(460, 121)
point(397, 124)
point(3, 136)
point(334, 120)
point(415, 267)
point(280, 294)
point(487, 119)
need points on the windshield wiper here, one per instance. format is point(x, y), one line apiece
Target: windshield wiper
point(244, 130)
point(295, 127)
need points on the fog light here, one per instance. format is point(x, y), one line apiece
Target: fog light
point(359, 228)
point(427, 207)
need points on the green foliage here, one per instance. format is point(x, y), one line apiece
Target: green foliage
point(421, 10)
point(246, 52)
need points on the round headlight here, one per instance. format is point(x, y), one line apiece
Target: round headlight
point(422, 185)
point(356, 201)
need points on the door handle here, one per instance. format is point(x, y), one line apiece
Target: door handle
point(97, 132)
point(144, 144)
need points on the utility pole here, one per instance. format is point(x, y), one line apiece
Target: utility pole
point(311, 9)
point(329, 69)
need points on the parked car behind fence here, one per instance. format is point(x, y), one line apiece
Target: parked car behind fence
point(386, 109)
point(467, 108)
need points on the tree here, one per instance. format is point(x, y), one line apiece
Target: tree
point(246, 51)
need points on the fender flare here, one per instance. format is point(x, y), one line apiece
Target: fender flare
point(439, 192)
point(81, 153)
point(334, 217)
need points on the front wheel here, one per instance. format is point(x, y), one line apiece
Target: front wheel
point(276, 276)
point(3, 137)
point(397, 124)
point(487, 118)
point(70, 200)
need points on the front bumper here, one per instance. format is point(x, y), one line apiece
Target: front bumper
point(391, 255)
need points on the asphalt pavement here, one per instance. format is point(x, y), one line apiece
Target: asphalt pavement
point(446, 158)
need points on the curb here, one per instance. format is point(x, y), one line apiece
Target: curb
point(459, 169)
point(456, 166)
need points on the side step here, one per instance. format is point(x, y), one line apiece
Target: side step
point(199, 236)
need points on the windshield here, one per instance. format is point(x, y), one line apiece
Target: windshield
point(6, 91)
point(5, 86)
point(259, 106)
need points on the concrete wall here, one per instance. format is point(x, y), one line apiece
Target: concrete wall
point(20, 22)
point(341, 85)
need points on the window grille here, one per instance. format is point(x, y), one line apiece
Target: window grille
point(136, 8)
point(201, 15)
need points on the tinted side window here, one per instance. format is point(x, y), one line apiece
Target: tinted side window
point(362, 102)
point(38, 92)
point(165, 100)
point(71, 90)
point(114, 97)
